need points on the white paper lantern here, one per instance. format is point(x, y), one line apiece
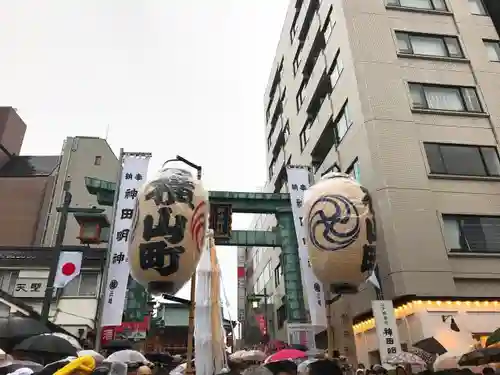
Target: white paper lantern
point(168, 231)
point(340, 231)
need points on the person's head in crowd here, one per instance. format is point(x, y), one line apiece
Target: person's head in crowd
point(325, 367)
point(282, 368)
point(336, 354)
point(379, 370)
point(361, 366)
point(488, 371)
point(257, 370)
point(144, 370)
point(400, 370)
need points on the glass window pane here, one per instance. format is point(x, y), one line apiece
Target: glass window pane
point(421, 4)
point(493, 50)
point(423, 45)
point(474, 239)
point(417, 96)
point(471, 99)
point(439, 4)
point(490, 156)
point(88, 284)
point(444, 98)
point(403, 43)
point(451, 234)
point(71, 289)
point(453, 45)
point(491, 233)
point(434, 159)
point(477, 7)
point(460, 160)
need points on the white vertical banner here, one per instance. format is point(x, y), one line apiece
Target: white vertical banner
point(386, 328)
point(133, 175)
point(298, 183)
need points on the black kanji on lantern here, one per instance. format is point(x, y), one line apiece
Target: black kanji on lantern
point(130, 194)
point(128, 176)
point(177, 191)
point(299, 202)
point(118, 258)
point(295, 187)
point(152, 256)
point(387, 332)
point(303, 187)
point(138, 177)
point(122, 235)
point(127, 213)
point(174, 234)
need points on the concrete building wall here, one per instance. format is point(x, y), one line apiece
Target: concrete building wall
point(81, 157)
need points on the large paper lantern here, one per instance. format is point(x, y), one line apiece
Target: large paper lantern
point(340, 231)
point(168, 231)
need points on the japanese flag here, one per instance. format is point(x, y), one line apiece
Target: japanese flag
point(70, 263)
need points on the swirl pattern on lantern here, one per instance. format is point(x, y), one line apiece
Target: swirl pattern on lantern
point(337, 219)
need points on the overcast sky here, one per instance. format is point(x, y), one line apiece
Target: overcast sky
point(167, 76)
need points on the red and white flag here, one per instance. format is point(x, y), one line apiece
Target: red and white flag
point(69, 266)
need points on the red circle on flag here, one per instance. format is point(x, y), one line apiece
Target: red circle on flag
point(68, 269)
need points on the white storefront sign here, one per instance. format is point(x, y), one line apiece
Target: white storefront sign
point(386, 328)
point(30, 288)
point(298, 183)
point(133, 176)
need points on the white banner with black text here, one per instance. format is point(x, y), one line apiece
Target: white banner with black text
point(298, 183)
point(133, 175)
point(386, 328)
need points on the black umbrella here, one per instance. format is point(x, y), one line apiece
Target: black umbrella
point(46, 344)
point(431, 345)
point(17, 328)
point(480, 357)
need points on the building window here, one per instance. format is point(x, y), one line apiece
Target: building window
point(462, 160)
point(8, 280)
point(329, 25)
point(477, 7)
point(277, 275)
point(97, 160)
point(281, 316)
point(296, 59)
point(353, 170)
point(286, 131)
point(336, 69)
point(420, 4)
point(475, 234)
point(493, 49)
point(343, 122)
point(445, 98)
point(84, 285)
point(299, 99)
point(429, 45)
point(304, 134)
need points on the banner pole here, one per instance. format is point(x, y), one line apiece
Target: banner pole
point(104, 274)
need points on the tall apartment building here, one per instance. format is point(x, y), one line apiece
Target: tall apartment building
point(403, 95)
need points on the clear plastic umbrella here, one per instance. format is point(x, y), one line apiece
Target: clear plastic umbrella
point(127, 356)
point(303, 367)
point(253, 355)
point(97, 356)
point(237, 356)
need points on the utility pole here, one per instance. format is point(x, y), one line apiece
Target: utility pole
point(265, 312)
point(49, 291)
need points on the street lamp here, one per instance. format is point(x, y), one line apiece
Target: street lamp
point(255, 299)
